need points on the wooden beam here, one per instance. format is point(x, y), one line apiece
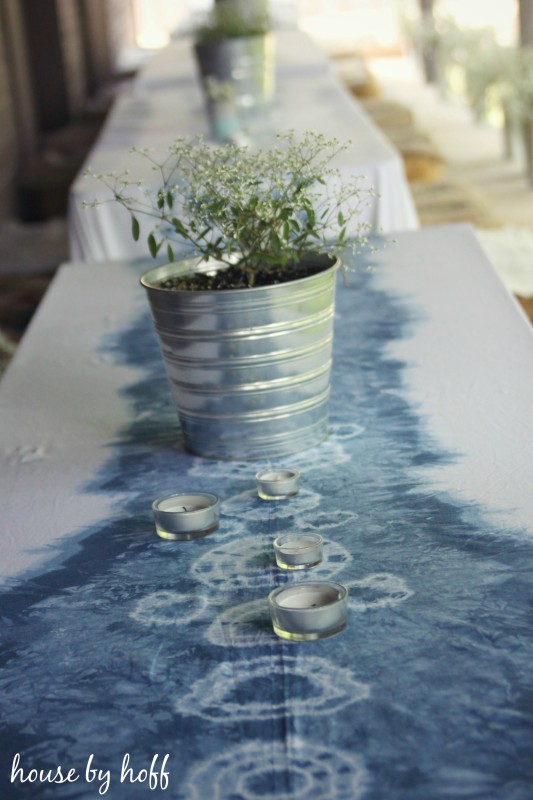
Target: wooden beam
point(19, 76)
point(429, 56)
point(525, 21)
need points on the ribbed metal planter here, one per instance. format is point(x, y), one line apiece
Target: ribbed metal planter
point(247, 61)
point(249, 368)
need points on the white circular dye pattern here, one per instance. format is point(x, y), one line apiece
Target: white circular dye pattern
point(250, 562)
point(168, 608)
point(325, 520)
point(342, 431)
point(250, 771)
point(243, 625)
point(331, 452)
point(230, 528)
point(248, 503)
point(203, 468)
point(378, 590)
point(335, 558)
point(230, 691)
point(247, 561)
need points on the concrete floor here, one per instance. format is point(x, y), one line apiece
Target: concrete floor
point(474, 152)
point(475, 157)
point(32, 247)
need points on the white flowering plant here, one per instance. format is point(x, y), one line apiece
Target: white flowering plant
point(219, 90)
point(225, 21)
point(253, 210)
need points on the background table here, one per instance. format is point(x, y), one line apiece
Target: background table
point(116, 642)
point(166, 101)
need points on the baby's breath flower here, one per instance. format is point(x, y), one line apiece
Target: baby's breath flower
point(246, 206)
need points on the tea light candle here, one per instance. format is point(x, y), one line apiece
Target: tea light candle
point(295, 551)
point(186, 516)
point(308, 611)
point(277, 484)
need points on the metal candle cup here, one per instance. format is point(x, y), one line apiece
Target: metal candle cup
point(186, 516)
point(295, 551)
point(277, 484)
point(309, 611)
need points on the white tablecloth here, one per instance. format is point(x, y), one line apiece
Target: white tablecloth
point(466, 356)
point(117, 643)
point(166, 101)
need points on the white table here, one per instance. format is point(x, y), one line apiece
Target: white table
point(118, 642)
point(166, 101)
point(297, 56)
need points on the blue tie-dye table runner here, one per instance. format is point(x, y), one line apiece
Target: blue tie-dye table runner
point(134, 667)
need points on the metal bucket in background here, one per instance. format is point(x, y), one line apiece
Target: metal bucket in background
point(249, 368)
point(248, 62)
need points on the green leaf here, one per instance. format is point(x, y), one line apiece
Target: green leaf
point(160, 200)
point(286, 230)
point(311, 218)
point(179, 227)
point(170, 199)
point(268, 259)
point(219, 205)
point(340, 218)
point(276, 244)
point(153, 246)
point(135, 228)
point(170, 253)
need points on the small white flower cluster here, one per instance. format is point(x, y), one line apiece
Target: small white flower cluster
point(245, 206)
point(219, 90)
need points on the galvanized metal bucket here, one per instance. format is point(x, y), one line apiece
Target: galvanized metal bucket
point(249, 368)
point(247, 61)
